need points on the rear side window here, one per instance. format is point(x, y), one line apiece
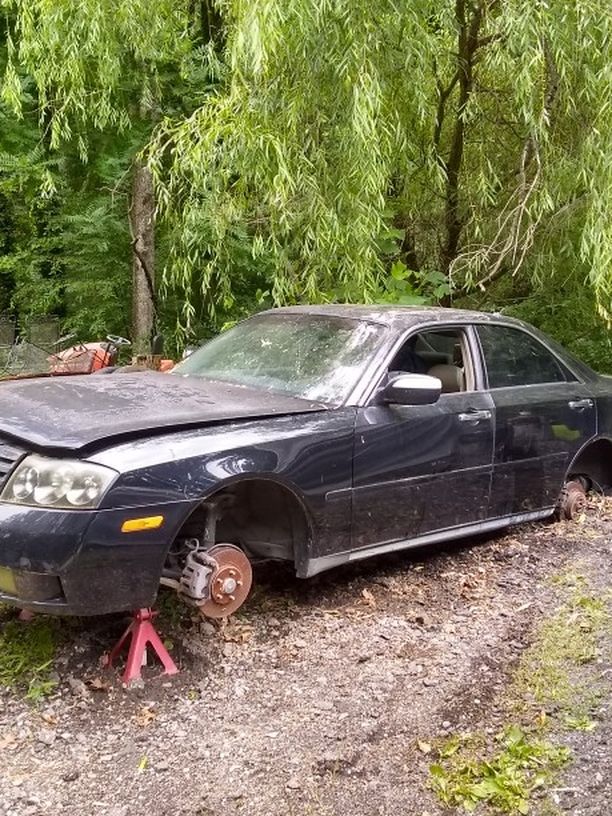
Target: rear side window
point(514, 357)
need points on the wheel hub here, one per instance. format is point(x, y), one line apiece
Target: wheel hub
point(230, 582)
point(572, 500)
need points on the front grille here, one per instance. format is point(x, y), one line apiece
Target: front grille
point(10, 454)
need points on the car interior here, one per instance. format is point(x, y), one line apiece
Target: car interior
point(441, 353)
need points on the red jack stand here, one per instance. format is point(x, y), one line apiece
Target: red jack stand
point(142, 634)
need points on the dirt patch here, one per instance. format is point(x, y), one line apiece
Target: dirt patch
point(317, 699)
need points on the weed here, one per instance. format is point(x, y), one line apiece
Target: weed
point(547, 685)
point(579, 722)
point(506, 781)
point(548, 808)
point(172, 609)
point(569, 579)
point(26, 656)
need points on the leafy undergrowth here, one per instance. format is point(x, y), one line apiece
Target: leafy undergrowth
point(26, 655)
point(549, 693)
point(506, 780)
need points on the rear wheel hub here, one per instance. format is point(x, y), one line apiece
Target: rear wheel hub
point(572, 500)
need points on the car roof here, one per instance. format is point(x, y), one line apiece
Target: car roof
point(401, 318)
point(398, 316)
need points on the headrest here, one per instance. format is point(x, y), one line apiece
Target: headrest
point(451, 376)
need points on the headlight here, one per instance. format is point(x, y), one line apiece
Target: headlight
point(62, 483)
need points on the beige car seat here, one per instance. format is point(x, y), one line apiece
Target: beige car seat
point(451, 377)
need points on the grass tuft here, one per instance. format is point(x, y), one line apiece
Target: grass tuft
point(26, 656)
point(548, 675)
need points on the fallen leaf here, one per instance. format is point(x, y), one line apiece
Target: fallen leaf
point(98, 684)
point(7, 739)
point(145, 717)
point(238, 633)
point(368, 597)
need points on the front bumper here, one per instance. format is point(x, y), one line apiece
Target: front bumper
point(79, 562)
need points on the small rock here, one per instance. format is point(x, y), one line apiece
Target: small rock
point(47, 737)
point(162, 766)
point(78, 687)
point(228, 649)
point(118, 810)
point(293, 783)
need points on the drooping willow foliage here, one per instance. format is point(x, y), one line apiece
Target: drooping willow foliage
point(333, 140)
point(473, 133)
point(85, 58)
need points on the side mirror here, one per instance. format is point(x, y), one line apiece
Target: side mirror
point(412, 389)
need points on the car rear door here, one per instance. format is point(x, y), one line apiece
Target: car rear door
point(420, 469)
point(544, 415)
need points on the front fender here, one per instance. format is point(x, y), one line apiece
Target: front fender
point(310, 454)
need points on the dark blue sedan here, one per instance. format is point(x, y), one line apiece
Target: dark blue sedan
point(314, 435)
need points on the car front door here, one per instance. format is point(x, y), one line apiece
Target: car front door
point(421, 469)
point(544, 415)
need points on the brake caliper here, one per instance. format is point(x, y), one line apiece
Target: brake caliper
point(217, 580)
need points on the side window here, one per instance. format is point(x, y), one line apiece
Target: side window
point(442, 353)
point(513, 357)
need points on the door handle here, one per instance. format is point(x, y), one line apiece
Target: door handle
point(580, 404)
point(474, 416)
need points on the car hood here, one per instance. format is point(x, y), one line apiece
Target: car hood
point(71, 413)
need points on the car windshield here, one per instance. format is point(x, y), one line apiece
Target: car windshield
point(315, 357)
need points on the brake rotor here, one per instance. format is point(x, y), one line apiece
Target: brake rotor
point(230, 582)
point(572, 500)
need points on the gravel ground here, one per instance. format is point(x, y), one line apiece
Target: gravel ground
point(314, 699)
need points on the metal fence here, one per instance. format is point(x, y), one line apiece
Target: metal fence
point(30, 352)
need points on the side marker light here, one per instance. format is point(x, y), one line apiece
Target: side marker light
point(140, 524)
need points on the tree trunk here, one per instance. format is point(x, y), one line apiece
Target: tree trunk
point(142, 221)
point(467, 46)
